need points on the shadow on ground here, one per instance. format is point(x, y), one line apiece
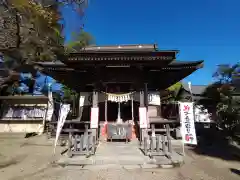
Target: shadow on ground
point(235, 171)
point(213, 143)
point(13, 161)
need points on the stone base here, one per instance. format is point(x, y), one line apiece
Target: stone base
point(21, 127)
point(121, 155)
point(93, 162)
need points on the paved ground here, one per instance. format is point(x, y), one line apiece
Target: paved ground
point(32, 159)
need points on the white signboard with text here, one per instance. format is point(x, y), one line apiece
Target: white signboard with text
point(81, 101)
point(94, 117)
point(143, 117)
point(187, 123)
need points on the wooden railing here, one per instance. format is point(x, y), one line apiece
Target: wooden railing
point(157, 144)
point(81, 141)
point(81, 144)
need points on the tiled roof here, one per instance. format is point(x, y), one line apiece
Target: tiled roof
point(196, 89)
point(171, 65)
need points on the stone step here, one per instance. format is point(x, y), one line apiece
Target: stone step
point(128, 162)
point(113, 166)
point(97, 160)
point(119, 154)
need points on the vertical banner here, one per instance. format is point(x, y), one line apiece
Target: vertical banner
point(63, 112)
point(187, 122)
point(143, 117)
point(94, 117)
point(50, 108)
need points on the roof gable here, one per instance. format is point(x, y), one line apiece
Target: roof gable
point(196, 89)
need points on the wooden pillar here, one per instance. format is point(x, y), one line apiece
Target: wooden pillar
point(95, 105)
point(96, 73)
point(80, 106)
point(145, 95)
point(159, 110)
point(95, 99)
point(141, 94)
point(106, 104)
point(132, 106)
point(144, 103)
point(74, 108)
point(105, 108)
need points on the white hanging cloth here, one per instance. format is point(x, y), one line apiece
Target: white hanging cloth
point(119, 97)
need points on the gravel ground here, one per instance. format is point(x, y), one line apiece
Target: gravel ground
point(32, 159)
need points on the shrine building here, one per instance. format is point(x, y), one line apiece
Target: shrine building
point(120, 84)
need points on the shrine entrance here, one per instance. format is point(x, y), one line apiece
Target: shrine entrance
point(112, 111)
point(119, 116)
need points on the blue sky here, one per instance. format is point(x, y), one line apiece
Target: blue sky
point(201, 29)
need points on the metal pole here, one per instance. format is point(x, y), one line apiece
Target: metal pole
point(190, 89)
point(192, 99)
point(181, 127)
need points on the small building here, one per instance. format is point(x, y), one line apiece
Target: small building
point(196, 94)
point(184, 93)
point(23, 114)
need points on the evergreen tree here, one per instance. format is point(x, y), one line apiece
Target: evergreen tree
point(222, 98)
